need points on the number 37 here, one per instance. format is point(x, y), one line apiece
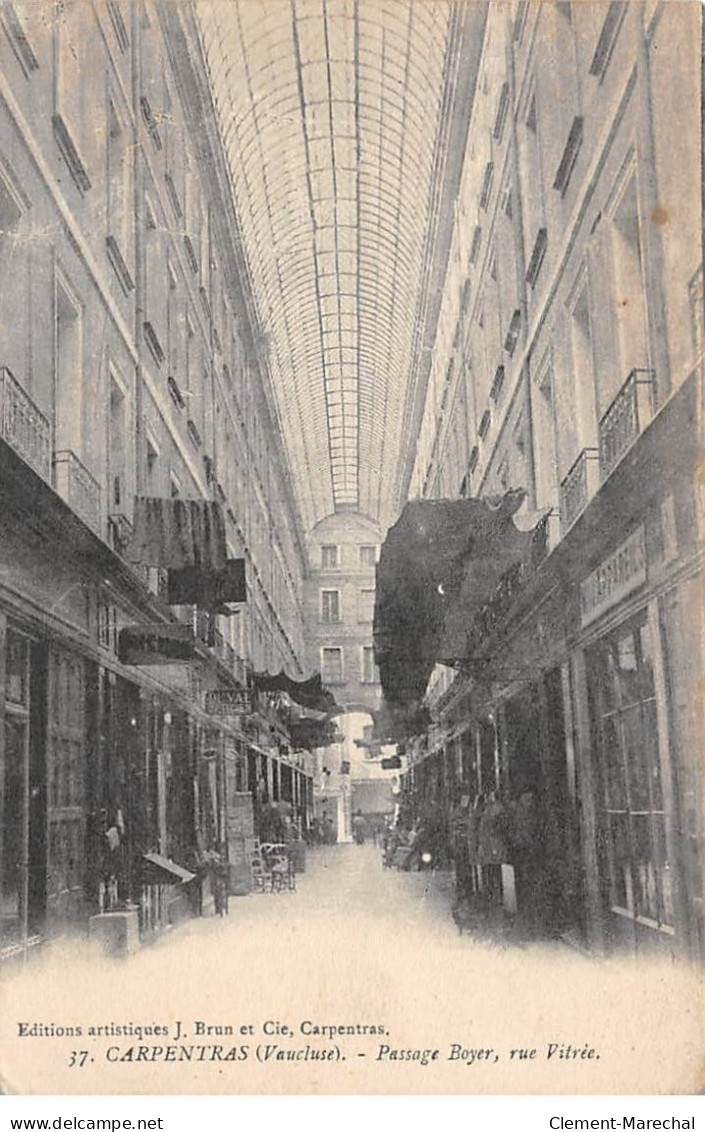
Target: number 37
point(78, 1058)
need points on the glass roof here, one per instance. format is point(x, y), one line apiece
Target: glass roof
point(331, 111)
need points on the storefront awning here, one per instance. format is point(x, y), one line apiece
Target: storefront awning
point(439, 564)
point(166, 871)
point(176, 534)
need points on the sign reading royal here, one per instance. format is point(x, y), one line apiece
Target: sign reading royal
point(619, 575)
point(229, 701)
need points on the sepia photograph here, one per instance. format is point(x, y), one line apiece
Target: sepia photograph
point(352, 525)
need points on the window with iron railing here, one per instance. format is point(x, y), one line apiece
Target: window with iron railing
point(626, 417)
point(578, 486)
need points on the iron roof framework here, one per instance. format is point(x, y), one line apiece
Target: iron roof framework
point(333, 115)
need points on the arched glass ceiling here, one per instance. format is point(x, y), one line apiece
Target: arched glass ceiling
point(331, 112)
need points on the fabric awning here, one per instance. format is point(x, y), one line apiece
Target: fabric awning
point(208, 589)
point(177, 534)
point(168, 871)
point(309, 693)
point(439, 564)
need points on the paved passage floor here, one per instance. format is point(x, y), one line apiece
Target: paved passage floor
point(357, 981)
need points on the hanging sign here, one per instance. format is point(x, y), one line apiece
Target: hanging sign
point(156, 644)
point(229, 701)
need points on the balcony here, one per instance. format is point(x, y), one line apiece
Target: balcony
point(625, 419)
point(579, 486)
point(23, 426)
point(77, 487)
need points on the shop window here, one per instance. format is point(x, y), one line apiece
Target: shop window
point(624, 707)
point(17, 670)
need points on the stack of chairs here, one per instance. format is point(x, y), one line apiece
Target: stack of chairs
point(273, 868)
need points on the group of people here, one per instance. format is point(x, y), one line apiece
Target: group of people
point(321, 831)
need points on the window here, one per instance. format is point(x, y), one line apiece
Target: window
point(531, 115)
point(501, 112)
point(119, 198)
point(697, 310)
point(475, 247)
point(366, 606)
point(74, 119)
point(513, 332)
point(14, 267)
point(329, 557)
point(368, 557)
point(174, 485)
point(487, 185)
point(608, 37)
point(580, 422)
point(537, 257)
point(624, 715)
point(152, 464)
point(332, 665)
point(18, 38)
point(330, 605)
point(630, 297)
point(369, 673)
point(570, 156)
point(545, 431)
point(519, 20)
point(497, 384)
point(118, 13)
point(13, 795)
point(68, 368)
point(117, 446)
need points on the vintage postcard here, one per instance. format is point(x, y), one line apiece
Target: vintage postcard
point(351, 547)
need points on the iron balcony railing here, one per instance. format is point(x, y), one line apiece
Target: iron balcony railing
point(626, 417)
point(77, 487)
point(578, 486)
point(23, 426)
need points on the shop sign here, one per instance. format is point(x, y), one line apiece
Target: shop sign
point(152, 644)
point(619, 575)
point(229, 701)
